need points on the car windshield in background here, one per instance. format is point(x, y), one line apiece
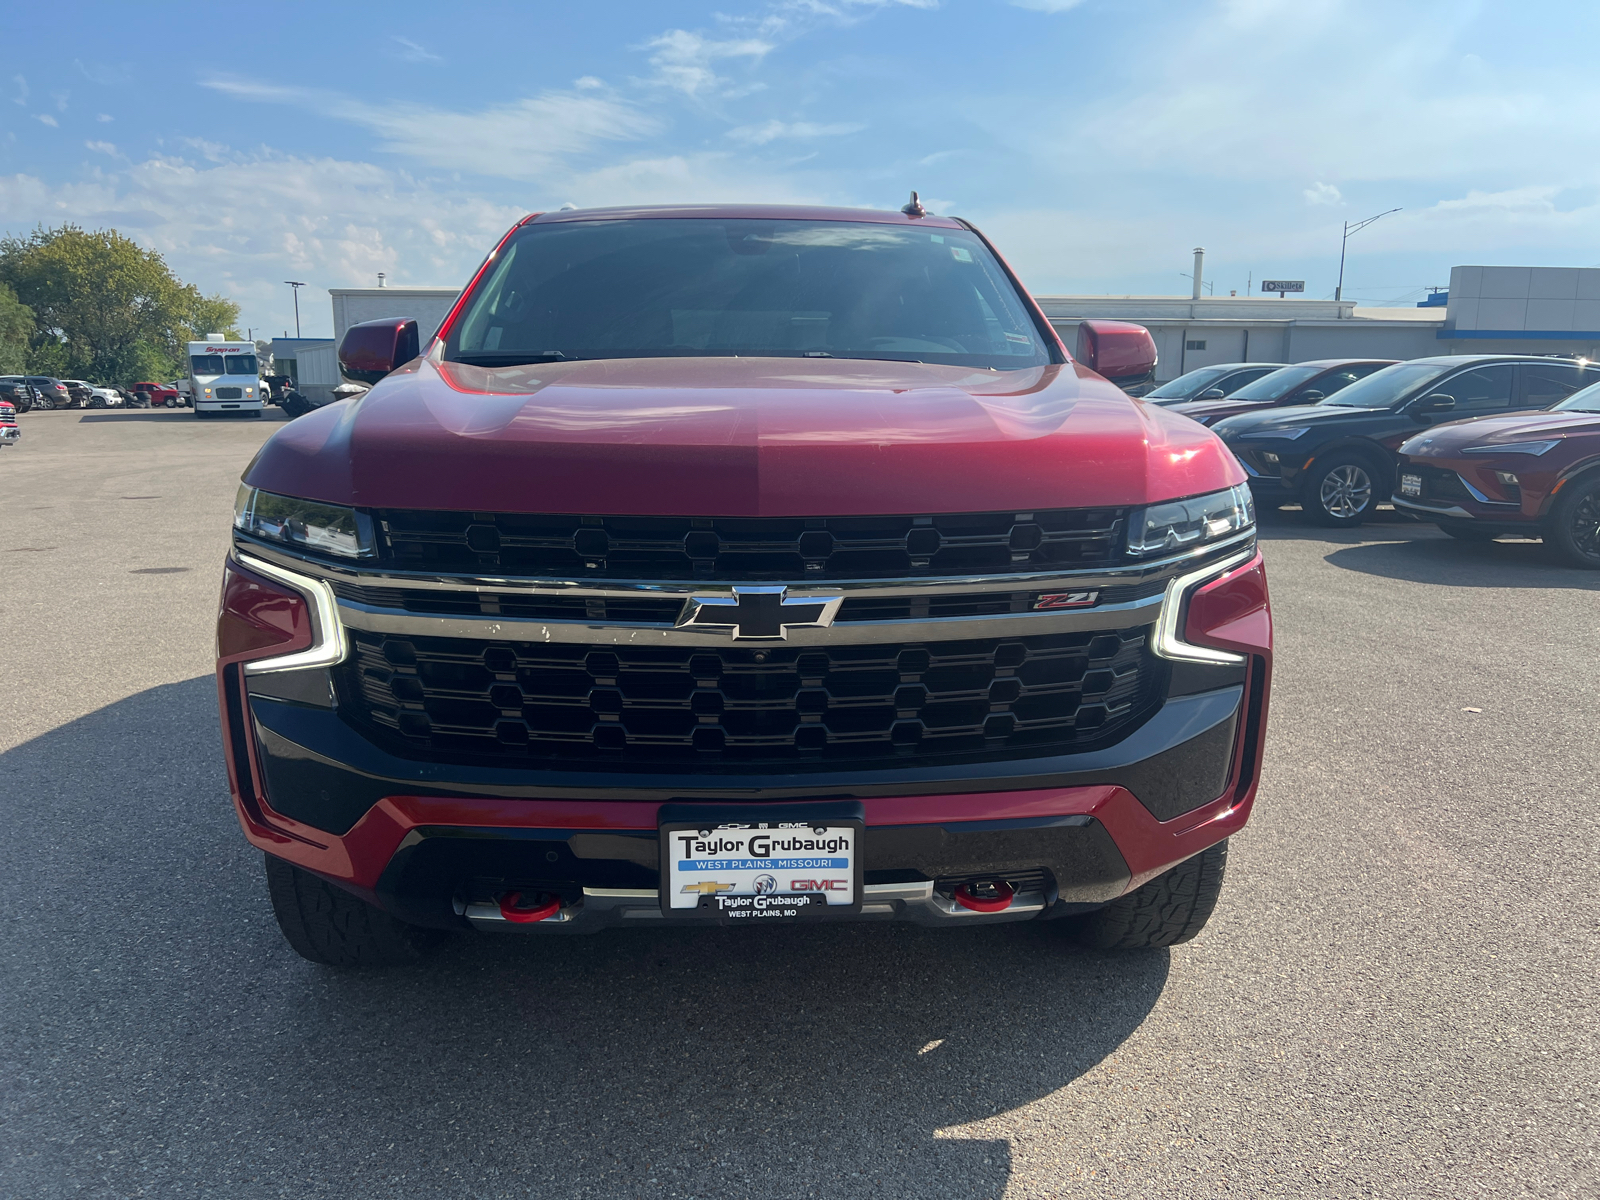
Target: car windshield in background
point(1588, 400)
point(1187, 385)
point(1382, 388)
point(220, 364)
point(1279, 383)
point(754, 288)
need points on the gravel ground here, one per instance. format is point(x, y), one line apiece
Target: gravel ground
point(1397, 996)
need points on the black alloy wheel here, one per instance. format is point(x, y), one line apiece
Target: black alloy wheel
point(1342, 490)
point(1574, 528)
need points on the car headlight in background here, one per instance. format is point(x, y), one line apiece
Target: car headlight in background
point(1184, 524)
point(304, 524)
point(1288, 435)
point(1535, 448)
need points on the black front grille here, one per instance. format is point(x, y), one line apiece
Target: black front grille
point(229, 393)
point(1440, 484)
point(746, 708)
point(733, 549)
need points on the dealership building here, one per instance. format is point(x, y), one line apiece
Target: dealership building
point(1487, 310)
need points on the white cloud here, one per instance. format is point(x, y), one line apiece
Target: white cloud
point(101, 148)
point(524, 139)
point(1047, 6)
point(1323, 193)
point(47, 119)
point(683, 60)
point(61, 100)
point(760, 135)
point(412, 52)
point(22, 90)
point(588, 83)
point(103, 117)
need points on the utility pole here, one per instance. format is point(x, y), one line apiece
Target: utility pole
point(1349, 228)
point(297, 285)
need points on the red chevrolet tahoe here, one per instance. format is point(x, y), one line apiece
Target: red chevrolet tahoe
point(733, 564)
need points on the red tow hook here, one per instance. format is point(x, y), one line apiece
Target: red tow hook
point(986, 897)
point(512, 909)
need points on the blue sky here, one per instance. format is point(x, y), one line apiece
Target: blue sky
point(1097, 141)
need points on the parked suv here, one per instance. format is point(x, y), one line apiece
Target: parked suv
point(9, 432)
point(1337, 458)
point(1532, 474)
point(18, 392)
point(1303, 383)
point(48, 393)
point(1209, 383)
point(734, 564)
point(157, 395)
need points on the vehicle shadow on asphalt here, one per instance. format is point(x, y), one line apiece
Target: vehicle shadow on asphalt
point(159, 1028)
point(1432, 558)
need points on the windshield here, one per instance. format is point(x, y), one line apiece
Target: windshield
point(761, 288)
point(1588, 400)
point(1188, 385)
point(1382, 388)
point(1277, 384)
point(218, 364)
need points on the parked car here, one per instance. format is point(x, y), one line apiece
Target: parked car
point(1303, 383)
point(89, 395)
point(1337, 458)
point(9, 431)
point(1534, 474)
point(734, 563)
point(49, 393)
point(18, 392)
point(158, 395)
point(1209, 383)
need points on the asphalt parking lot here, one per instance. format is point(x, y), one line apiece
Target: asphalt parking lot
point(1397, 997)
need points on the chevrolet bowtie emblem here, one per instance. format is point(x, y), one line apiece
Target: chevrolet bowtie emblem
point(759, 612)
point(708, 888)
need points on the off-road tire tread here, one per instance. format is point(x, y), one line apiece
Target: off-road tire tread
point(326, 924)
point(1167, 911)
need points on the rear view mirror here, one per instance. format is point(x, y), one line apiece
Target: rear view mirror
point(1211, 394)
point(1436, 403)
point(1310, 397)
point(372, 349)
point(1122, 352)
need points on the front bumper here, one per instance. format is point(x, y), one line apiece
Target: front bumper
point(10, 433)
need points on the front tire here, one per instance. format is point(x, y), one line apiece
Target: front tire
point(1342, 491)
point(1170, 909)
point(326, 924)
point(1574, 527)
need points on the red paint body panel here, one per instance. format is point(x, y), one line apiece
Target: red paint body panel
point(741, 437)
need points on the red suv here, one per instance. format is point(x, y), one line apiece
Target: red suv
point(1529, 474)
point(728, 564)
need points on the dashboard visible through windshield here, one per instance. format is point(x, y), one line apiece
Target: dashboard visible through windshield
point(697, 287)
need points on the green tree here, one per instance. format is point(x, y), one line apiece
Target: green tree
point(105, 308)
point(16, 332)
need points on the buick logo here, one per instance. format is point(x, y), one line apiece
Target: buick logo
point(765, 884)
point(759, 612)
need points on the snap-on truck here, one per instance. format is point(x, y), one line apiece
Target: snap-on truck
point(741, 564)
point(225, 377)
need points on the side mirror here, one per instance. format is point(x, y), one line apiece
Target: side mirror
point(1212, 394)
point(1122, 352)
point(372, 349)
point(1436, 403)
point(1310, 397)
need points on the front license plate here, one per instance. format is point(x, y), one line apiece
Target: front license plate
point(1411, 485)
point(761, 870)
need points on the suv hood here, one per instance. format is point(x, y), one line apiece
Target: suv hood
point(740, 437)
point(1268, 421)
point(1450, 439)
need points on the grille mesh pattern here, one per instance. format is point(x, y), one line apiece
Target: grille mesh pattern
point(734, 549)
point(1440, 484)
point(779, 707)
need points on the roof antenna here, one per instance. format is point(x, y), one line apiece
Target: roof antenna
point(914, 208)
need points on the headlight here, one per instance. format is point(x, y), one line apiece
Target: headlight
point(1287, 435)
point(304, 524)
point(1514, 448)
point(1183, 524)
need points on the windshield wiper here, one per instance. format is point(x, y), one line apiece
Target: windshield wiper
point(508, 358)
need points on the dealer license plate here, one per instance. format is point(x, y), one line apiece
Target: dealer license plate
point(776, 870)
point(1411, 485)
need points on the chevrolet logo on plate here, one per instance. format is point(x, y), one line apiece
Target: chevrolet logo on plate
point(708, 888)
point(759, 612)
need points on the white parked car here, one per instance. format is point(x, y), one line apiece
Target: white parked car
point(99, 397)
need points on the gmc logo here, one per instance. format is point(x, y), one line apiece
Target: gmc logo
point(819, 885)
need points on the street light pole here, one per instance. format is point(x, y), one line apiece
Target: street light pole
point(296, 285)
point(1349, 228)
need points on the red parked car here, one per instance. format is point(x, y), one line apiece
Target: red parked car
point(157, 395)
point(1530, 474)
point(741, 563)
point(9, 432)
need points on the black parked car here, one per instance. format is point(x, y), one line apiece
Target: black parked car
point(1303, 383)
point(18, 392)
point(1209, 383)
point(1337, 457)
